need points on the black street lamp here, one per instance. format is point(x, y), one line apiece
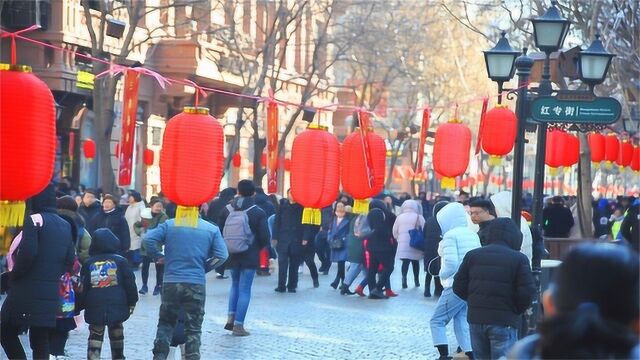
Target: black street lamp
point(594, 63)
point(550, 29)
point(500, 61)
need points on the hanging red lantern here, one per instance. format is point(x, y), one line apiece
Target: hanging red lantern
point(89, 149)
point(451, 151)
point(572, 150)
point(315, 171)
point(555, 150)
point(358, 180)
point(635, 162)
point(611, 149)
point(192, 140)
point(27, 140)
point(148, 157)
point(236, 160)
point(596, 145)
point(625, 154)
point(498, 133)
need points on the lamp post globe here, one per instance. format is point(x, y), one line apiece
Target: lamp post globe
point(500, 60)
point(594, 63)
point(550, 29)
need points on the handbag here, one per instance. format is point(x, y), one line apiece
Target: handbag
point(336, 243)
point(416, 236)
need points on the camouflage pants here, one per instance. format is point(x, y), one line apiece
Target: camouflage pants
point(191, 298)
point(96, 336)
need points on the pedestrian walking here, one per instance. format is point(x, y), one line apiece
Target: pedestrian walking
point(67, 207)
point(109, 294)
point(389, 219)
point(287, 238)
point(497, 283)
point(432, 237)
point(43, 253)
point(320, 240)
point(591, 308)
point(90, 206)
point(150, 219)
point(337, 238)
point(457, 241)
point(410, 218)
point(381, 252)
point(557, 219)
point(482, 213)
point(502, 204)
point(132, 215)
point(630, 228)
point(112, 218)
point(184, 282)
point(263, 202)
point(355, 255)
point(213, 215)
point(246, 233)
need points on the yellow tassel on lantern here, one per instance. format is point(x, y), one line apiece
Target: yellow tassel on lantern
point(567, 169)
point(12, 213)
point(608, 165)
point(495, 160)
point(187, 216)
point(448, 183)
point(361, 206)
point(553, 171)
point(595, 165)
point(311, 216)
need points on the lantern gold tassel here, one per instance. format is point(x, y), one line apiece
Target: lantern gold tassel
point(448, 183)
point(361, 206)
point(553, 172)
point(187, 216)
point(12, 213)
point(495, 160)
point(311, 216)
point(595, 165)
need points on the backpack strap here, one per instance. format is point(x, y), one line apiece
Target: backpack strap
point(249, 208)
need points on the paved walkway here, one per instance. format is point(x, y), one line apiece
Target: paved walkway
point(310, 324)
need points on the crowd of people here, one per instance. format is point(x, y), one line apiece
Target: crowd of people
point(79, 252)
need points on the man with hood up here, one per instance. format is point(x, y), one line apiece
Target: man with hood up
point(497, 283)
point(502, 203)
point(45, 252)
point(456, 242)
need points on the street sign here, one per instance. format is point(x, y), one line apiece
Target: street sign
point(599, 110)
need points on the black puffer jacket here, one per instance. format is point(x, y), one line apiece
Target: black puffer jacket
point(108, 282)
point(44, 254)
point(88, 213)
point(495, 280)
point(379, 240)
point(287, 227)
point(116, 222)
point(248, 259)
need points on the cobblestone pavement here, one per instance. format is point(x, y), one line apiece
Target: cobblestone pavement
point(310, 324)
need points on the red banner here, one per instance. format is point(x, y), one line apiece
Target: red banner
point(424, 132)
point(127, 139)
point(363, 118)
point(272, 147)
point(485, 102)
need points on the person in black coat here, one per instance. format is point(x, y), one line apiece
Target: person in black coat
point(90, 206)
point(109, 293)
point(557, 219)
point(381, 251)
point(287, 236)
point(318, 234)
point(497, 283)
point(45, 252)
point(631, 224)
point(213, 215)
point(113, 219)
point(432, 237)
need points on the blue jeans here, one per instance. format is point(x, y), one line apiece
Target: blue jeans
point(240, 294)
point(450, 306)
point(352, 273)
point(492, 341)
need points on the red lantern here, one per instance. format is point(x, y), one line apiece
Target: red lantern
point(498, 133)
point(596, 145)
point(193, 140)
point(149, 157)
point(555, 150)
point(451, 151)
point(358, 181)
point(89, 149)
point(27, 140)
point(635, 162)
point(315, 171)
point(236, 160)
point(625, 154)
point(611, 148)
point(572, 150)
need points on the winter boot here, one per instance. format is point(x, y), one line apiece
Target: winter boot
point(344, 290)
point(238, 330)
point(390, 293)
point(230, 319)
point(360, 291)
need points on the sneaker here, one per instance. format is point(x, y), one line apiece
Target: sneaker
point(222, 277)
point(143, 290)
point(238, 330)
point(280, 289)
point(157, 290)
point(377, 294)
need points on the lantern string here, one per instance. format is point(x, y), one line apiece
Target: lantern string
point(116, 69)
point(13, 36)
point(203, 90)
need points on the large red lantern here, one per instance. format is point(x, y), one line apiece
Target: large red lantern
point(498, 133)
point(148, 157)
point(27, 140)
point(625, 154)
point(572, 150)
point(451, 151)
point(611, 148)
point(89, 149)
point(596, 145)
point(357, 179)
point(635, 162)
point(192, 140)
point(315, 171)
point(555, 150)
